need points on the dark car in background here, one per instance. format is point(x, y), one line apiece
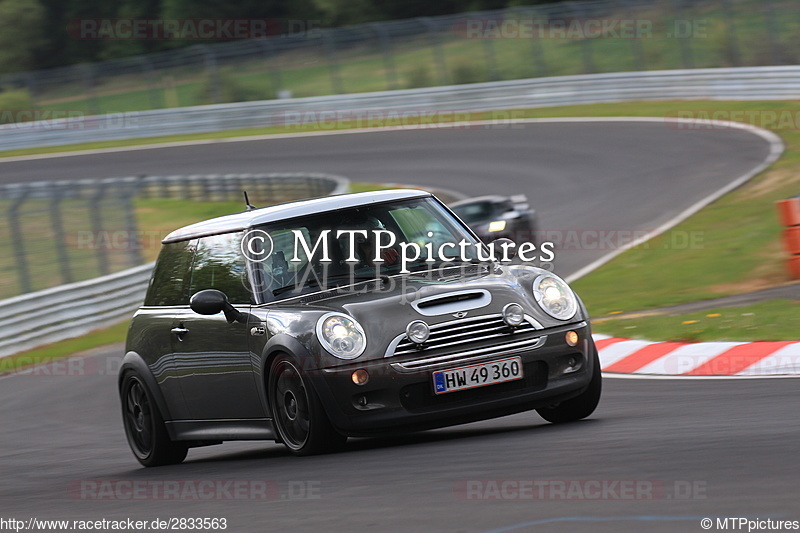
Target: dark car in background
point(495, 217)
point(301, 323)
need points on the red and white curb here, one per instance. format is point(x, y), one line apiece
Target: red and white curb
point(627, 356)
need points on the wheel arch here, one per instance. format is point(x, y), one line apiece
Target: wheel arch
point(277, 345)
point(133, 362)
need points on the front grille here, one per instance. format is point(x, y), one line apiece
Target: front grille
point(450, 337)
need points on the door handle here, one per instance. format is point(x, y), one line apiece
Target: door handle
point(180, 332)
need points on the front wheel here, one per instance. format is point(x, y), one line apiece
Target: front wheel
point(144, 426)
point(298, 414)
point(580, 406)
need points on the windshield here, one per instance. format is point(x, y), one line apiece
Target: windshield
point(357, 244)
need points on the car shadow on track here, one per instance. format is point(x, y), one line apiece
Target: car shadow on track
point(389, 442)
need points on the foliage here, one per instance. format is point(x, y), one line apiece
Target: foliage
point(11, 101)
point(21, 34)
point(37, 34)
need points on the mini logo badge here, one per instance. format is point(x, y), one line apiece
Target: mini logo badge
point(460, 314)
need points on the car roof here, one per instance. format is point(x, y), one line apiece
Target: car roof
point(263, 215)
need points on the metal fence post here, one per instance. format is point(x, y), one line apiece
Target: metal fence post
point(152, 86)
point(537, 53)
point(491, 59)
point(89, 81)
point(135, 255)
point(96, 220)
point(636, 44)
point(212, 71)
point(586, 44)
point(684, 43)
point(733, 41)
point(18, 241)
point(384, 39)
point(33, 88)
point(58, 235)
point(773, 33)
point(438, 52)
point(329, 47)
point(273, 69)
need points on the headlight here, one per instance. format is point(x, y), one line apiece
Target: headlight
point(497, 225)
point(341, 335)
point(555, 297)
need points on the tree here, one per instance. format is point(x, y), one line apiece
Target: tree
point(21, 36)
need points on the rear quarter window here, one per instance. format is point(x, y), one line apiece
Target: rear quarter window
point(169, 283)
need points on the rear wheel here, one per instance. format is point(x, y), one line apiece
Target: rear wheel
point(580, 406)
point(298, 414)
point(144, 426)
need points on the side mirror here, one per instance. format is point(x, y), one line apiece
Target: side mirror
point(211, 302)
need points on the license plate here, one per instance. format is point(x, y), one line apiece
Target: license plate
point(469, 377)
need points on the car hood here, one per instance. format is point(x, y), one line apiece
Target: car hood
point(385, 307)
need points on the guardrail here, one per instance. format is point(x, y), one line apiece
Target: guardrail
point(52, 315)
point(57, 313)
point(749, 83)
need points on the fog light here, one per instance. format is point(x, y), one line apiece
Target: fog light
point(418, 331)
point(513, 314)
point(571, 337)
point(360, 377)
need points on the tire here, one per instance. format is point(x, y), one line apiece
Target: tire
point(297, 412)
point(144, 425)
point(580, 406)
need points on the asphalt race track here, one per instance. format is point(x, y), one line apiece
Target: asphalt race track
point(657, 455)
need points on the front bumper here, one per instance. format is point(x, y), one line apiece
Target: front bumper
point(397, 398)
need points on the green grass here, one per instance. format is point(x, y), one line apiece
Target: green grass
point(774, 320)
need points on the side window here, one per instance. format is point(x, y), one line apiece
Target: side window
point(171, 275)
point(219, 264)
